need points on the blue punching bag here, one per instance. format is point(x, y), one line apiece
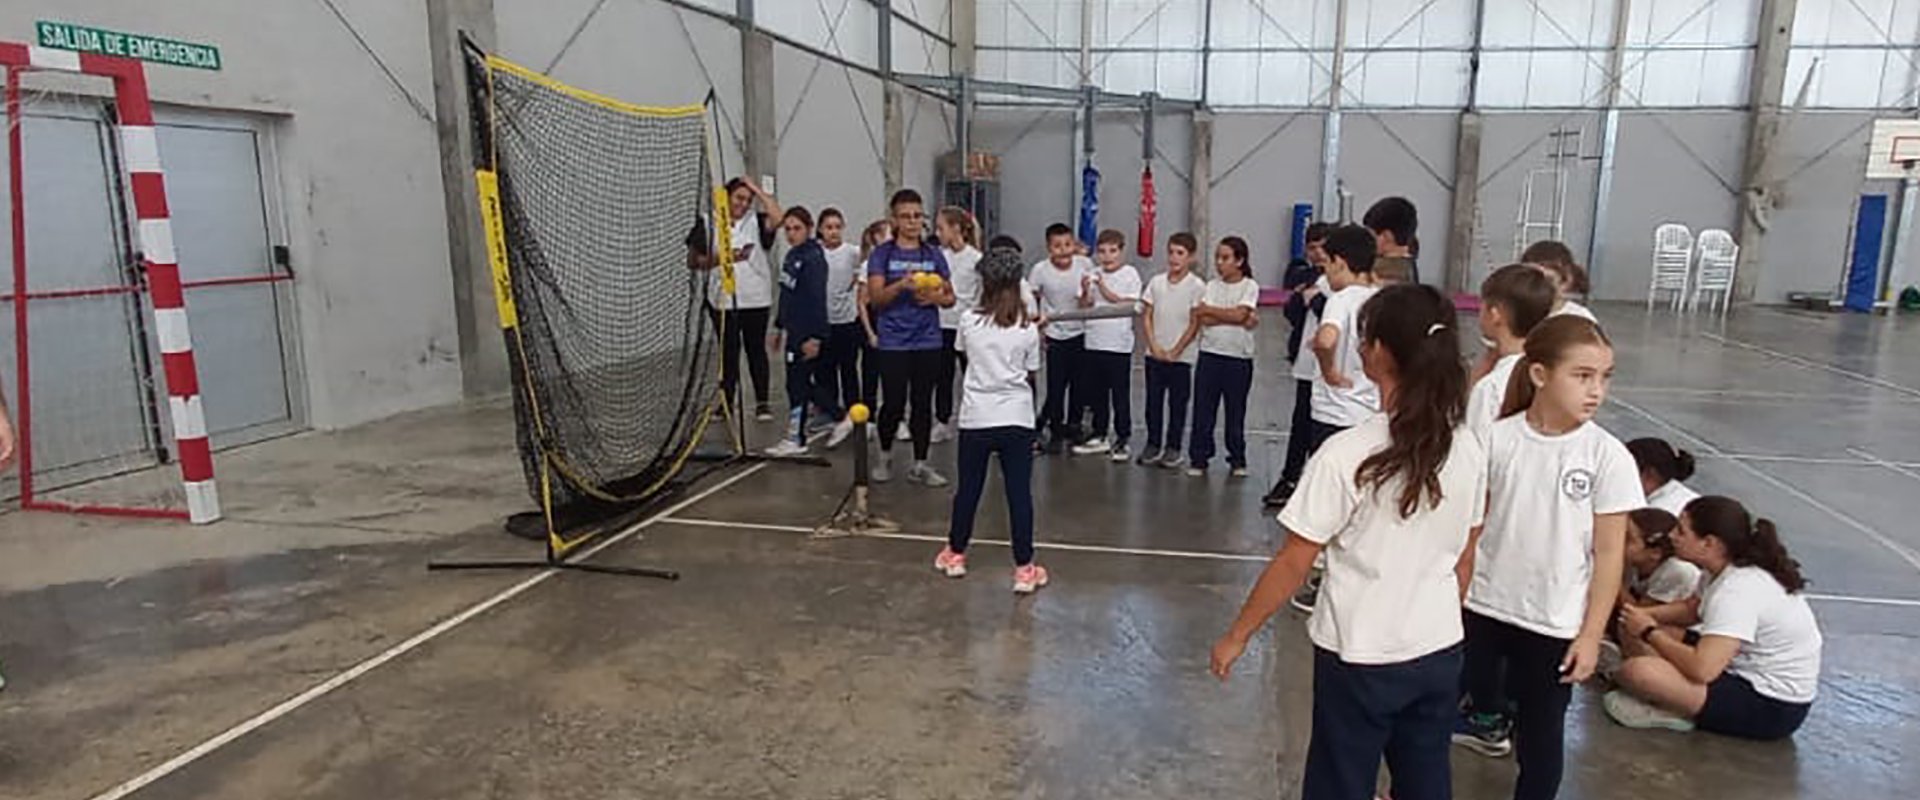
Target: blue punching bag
point(1089, 205)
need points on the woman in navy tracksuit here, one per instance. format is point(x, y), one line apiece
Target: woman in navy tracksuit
point(803, 319)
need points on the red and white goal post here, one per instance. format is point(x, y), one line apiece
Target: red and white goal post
point(153, 232)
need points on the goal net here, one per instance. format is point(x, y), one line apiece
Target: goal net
point(588, 204)
point(95, 354)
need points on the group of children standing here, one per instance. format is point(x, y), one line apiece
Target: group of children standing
point(1483, 547)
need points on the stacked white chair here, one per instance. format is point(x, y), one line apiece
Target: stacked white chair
point(1713, 270)
point(1672, 264)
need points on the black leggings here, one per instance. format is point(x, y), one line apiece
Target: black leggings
point(844, 346)
point(953, 364)
point(1531, 683)
point(906, 379)
point(1299, 435)
point(745, 329)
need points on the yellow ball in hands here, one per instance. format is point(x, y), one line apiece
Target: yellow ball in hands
point(926, 280)
point(858, 414)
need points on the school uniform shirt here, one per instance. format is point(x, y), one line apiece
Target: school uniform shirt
point(1171, 304)
point(995, 393)
point(1779, 639)
point(1570, 308)
point(965, 266)
point(1233, 341)
point(905, 324)
point(844, 277)
point(1346, 406)
point(753, 275)
point(1676, 579)
point(1114, 335)
point(1306, 367)
point(1390, 593)
point(1672, 497)
point(1483, 403)
point(1059, 290)
point(1535, 560)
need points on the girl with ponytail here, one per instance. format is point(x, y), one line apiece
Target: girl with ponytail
point(1548, 566)
point(1663, 467)
point(1755, 668)
point(959, 237)
point(1392, 502)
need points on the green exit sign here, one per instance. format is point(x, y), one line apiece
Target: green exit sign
point(67, 36)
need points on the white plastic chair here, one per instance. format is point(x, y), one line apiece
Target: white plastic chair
point(1672, 264)
point(1713, 270)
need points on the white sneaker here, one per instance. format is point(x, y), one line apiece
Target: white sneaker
point(841, 430)
point(1634, 712)
point(1119, 454)
point(1196, 472)
point(883, 468)
point(1090, 447)
point(787, 448)
point(942, 432)
point(1611, 658)
point(924, 475)
point(1238, 472)
point(904, 434)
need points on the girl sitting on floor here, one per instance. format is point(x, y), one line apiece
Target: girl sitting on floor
point(1755, 668)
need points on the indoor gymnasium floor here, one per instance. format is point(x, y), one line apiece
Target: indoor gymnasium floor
point(154, 659)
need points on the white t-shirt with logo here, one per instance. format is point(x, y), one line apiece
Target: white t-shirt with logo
point(1779, 639)
point(1346, 406)
point(1171, 305)
point(964, 264)
point(995, 393)
point(1390, 593)
point(1672, 497)
point(1306, 366)
point(845, 273)
point(1483, 402)
point(752, 276)
point(1535, 561)
point(1233, 341)
point(1115, 334)
point(1059, 290)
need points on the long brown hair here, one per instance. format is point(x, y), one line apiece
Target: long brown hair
point(1655, 527)
point(1558, 258)
point(1750, 542)
point(1547, 346)
point(1524, 294)
point(962, 219)
point(1000, 295)
point(871, 237)
point(1416, 324)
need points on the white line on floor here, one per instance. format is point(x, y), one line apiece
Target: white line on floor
point(1881, 462)
point(1137, 551)
point(1905, 553)
point(354, 672)
point(1743, 394)
point(1808, 362)
point(1769, 458)
point(923, 537)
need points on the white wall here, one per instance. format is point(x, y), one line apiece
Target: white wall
point(359, 173)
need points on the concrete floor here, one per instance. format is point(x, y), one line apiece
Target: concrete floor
point(787, 667)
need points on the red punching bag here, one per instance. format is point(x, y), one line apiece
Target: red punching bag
point(1147, 209)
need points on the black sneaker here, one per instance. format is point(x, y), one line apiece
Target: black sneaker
point(1149, 457)
point(1279, 496)
point(1490, 735)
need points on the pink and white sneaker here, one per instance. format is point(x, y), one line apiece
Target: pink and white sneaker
point(1029, 579)
point(951, 564)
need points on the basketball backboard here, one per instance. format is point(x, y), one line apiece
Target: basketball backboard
point(1894, 151)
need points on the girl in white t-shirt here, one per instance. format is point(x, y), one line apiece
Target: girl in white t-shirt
point(1662, 468)
point(1655, 574)
point(877, 231)
point(1392, 503)
point(1226, 317)
point(1755, 668)
point(1547, 567)
point(846, 273)
point(959, 238)
point(1002, 344)
point(747, 312)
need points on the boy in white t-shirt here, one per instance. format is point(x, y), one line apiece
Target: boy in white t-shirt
point(1343, 396)
point(1170, 299)
point(1108, 368)
point(1513, 300)
point(1060, 284)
